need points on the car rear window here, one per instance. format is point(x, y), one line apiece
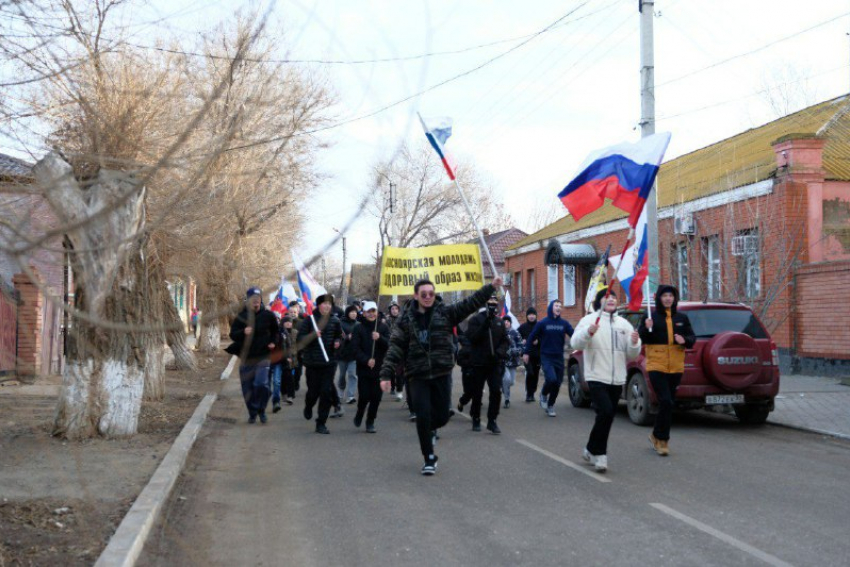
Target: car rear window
point(709, 322)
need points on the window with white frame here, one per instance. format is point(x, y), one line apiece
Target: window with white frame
point(569, 298)
point(532, 288)
point(552, 282)
point(682, 263)
point(749, 262)
point(712, 272)
point(518, 293)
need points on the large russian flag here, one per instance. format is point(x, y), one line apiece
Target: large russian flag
point(438, 130)
point(310, 288)
point(623, 173)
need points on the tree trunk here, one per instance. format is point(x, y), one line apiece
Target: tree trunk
point(210, 341)
point(105, 370)
point(184, 359)
point(155, 373)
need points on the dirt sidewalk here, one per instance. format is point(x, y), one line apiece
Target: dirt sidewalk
point(60, 501)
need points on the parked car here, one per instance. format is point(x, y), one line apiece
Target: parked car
point(734, 362)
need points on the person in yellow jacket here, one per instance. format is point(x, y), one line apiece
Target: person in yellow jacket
point(667, 334)
point(607, 347)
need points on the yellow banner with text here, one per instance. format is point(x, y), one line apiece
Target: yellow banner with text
point(452, 267)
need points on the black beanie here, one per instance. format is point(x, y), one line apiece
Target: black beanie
point(600, 295)
point(530, 310)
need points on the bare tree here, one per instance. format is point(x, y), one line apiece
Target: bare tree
point(426, 207)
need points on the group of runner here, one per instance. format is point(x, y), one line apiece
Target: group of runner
point(357, 355)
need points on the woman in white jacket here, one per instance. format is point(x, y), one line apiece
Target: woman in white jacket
point(607, 347)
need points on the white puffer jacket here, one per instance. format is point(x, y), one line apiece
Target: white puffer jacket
point(607, 351)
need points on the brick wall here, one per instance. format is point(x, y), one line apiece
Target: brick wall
point(30, 326)
point(822, 310)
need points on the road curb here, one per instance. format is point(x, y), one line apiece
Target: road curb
point(810, 430)
point(127, 542)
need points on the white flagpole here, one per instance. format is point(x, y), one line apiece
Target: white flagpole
point(648, 302)
point(319, 338)
point(478, 229)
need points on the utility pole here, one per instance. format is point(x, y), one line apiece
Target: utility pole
point(389, 227)
point(324, 275)
point(647, 127)
point(343, 292)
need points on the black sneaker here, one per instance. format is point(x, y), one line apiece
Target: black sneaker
point(320, 428)
point(507, 404)
point(358, 419)
point(289, 401)
point(276, 408)
point(351, 401)
point(264, 418)
point(412, 416)
point(252, 419)
point(476, 425)
point(308, 413)
point(370, 427)
point(430, 466)
point(459, 405)
point(493, 427)
point(529, 399)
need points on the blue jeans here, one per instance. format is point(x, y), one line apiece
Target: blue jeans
point(553, 377)
point(255, 386)
point(508, 380)
point(346, 382)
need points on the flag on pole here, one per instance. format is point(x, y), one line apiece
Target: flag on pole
point(623, 173)
point(279, 301)
point(310, 288)
point(506, 311)
point(438, 130)
point(598, 280)
point(634, 268)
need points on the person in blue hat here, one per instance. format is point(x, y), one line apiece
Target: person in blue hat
point(255, 334)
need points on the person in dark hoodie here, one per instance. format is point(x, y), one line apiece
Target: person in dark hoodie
point(370, 343)
point(424, 342)
point(281, 365)
point(489, 341)
point(667, 334)
point(297, 317)
point(532, 367)
point(320, 370)
point(397, 391)
point(346, 380)
point(551, 333)
point(255, 335)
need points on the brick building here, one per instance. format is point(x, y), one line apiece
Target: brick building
point(33, 280)
point(762, 217)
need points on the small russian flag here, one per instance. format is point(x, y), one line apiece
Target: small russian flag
point(438, 130)
point(623, 173)
point(310, 288)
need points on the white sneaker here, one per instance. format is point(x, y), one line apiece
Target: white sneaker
point(550, 411)
point(601, 463)
point(588, 458)
point(544, 402)
point(398, 396)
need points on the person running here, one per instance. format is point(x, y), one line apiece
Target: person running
point(346, 381)
point(297, 317)
point(511, 363)
point(281, 365)
point(422, 341)
point(489, 341)
point(290, 357)
point(607, 347)
point(319, 369)
point(532, 367)
point(398, 384)
point(255, 335)
point(667, 334)
point(370, 343)
point(550, 333)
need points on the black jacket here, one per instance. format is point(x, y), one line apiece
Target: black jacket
point(488, 338)
point(283, 354)
point(681, 323)
point(362, 344)
point(308, 347)
point(256, 347)
point(425, 344)
point(346, 351)
point(525, 330)
point(464, 353)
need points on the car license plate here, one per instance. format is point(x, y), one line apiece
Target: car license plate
point(725, 399)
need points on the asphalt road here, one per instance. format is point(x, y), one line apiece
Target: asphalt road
point(281, 495)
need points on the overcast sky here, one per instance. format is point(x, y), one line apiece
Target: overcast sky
point(539, 103)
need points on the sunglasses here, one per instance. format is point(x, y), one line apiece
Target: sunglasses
point(427, 294)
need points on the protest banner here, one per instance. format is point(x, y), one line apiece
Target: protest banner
point(452, 267)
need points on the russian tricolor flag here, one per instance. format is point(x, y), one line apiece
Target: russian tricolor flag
point(310, 288)
point(438, 130)
point(623, 173)
point(634, 268)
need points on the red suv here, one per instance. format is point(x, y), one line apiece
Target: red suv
point(734, 361)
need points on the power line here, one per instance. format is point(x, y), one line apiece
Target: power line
point(748, 53)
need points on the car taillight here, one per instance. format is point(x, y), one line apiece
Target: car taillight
point(774, 353)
